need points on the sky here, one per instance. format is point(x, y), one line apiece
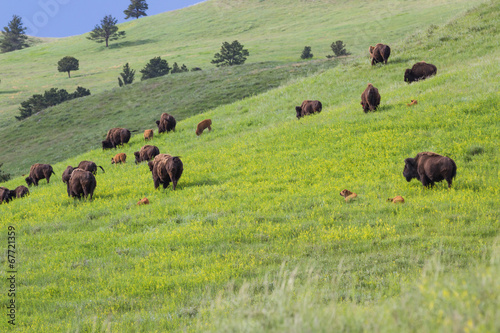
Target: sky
point(63, 18)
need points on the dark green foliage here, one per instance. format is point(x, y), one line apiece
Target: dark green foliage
point(3, 176)
point(51, 97)
point(137, 8)
point(106, 31)
point(127, 76)
point(306, 53)
point(14, 37)
point(184, 68)
point(195, 69)
point(230, 54)
point(155, 68)
point(338, 49)
point(177, 69)
point(68, 64)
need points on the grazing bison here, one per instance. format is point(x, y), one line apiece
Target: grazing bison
point(397, 199)
point(429, 168)
point(119, 158)
point(116, 136)
point(39, 171)
point(413, 102)
point(67, 174)
point(380, 53)
point(165, 170)
point(308, 107)
point(166, 123)
point(348, 195)
point(81, 183)
point(202, 125)
point(19, 192)
point(146, 153)
point(89, 166)
point(148, 134)
point(370, 98)
point(420, 71)
point(143, 201)
point(5, 195)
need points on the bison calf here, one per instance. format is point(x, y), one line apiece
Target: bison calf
point(81, 183)
point(39, 171)
point(308, 107)
point(348, 195)
point(380, 53)
point(165, 170)
point(148, 134)
point(429, 167)
point(413, 102)
point(397, 199)
point(89, 166)
point(420, 71)
point(202, 125)
point(370, 98)
point(146, 153)
point(119, 158)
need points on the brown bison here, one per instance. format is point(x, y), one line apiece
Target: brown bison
point(146, 153)
point(143, 201)
point(39, 171)
point(166, 123)
point(119, 158)
point(165, 170)
point(397, 199)
point(67, 174)
point(429, 168)
point(348, 195)
point(5, 195)
point(157, 157)
point(370, 98)
point(202, 125)
point(380, 53)
point(81, 183)
point(19, 192)
point(116, 136)
point(413, 102)
point(89, 166)
point(308, 107)
point(148, 134)
point(420, 71)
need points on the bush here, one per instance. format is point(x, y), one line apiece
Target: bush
point(230, 54)
point(306, 53)
point(3, 176)
point(127, 75)
point(338, 49)
point(155, 68)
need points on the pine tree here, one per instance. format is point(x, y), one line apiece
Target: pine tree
point(127, 75)
point(175, 68)
point(14, 37)
point(106, 31)
point(137, 8)
point(155, 68)
point(306, 53)
point(184, 68)
point(230, 54)
point(68, 64)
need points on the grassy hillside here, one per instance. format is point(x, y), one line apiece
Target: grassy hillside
point(273, 31)
point(259, 196)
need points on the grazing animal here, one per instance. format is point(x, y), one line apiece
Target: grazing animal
point(166, 123)
point(380, 53)
point(89, 166)
point(429, 167)
point(308, 107)
point(370, 98)
point(20, 192)
point(81, 183)
point(116, 136)
point(420, 71)
point(67, 174)
point(202, 125)
point(146, 153)
point(413, 102)
point(5, 195)
point(119, 158)
point(397, 199)
point(39, 171)
point(167, 169)
point(348, 195)
point(148, 134)
point(143, 201)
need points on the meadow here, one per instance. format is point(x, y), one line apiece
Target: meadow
point(256, 237)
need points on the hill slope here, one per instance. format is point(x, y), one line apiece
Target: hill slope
point(260, 192)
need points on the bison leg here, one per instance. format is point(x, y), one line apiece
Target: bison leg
point(209, 128)
point(174, 184)
point(165, 184)
point(156, 183)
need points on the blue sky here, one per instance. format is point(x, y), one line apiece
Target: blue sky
point(62, 18)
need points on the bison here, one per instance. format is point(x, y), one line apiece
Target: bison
point(81, 183)
point(89, 166)
point(202, 125)
point(5, 195)
point(380, 53)
point(19, 192)
point(119, 158)
point(143, 201)
point(167, 169)
point(397, 199)
point(420, 71)
point(148, 134)
point(370, 98)
point(429, 167)
point(116, 136)
point(166, 123)
point(413, 102)
point(308, 107)
point(146, 153)
point(39, 171)
point(67, 174)
point(348, 195)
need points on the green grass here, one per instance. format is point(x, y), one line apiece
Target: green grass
point(260, 196)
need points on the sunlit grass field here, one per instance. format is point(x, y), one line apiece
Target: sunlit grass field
point(256, 236)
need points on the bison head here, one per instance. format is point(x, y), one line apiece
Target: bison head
point(298, 109)
point(151, 165)
point(107, 144)
point(29, 181)
point(370, 49)
point(410, 170)
point(137, 157)
point(409, 76)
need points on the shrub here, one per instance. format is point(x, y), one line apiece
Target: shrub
point(230, 54)
point(127, 75)
point(155, 68)
point(306, 53)
point(3, 176)
point(338, 49)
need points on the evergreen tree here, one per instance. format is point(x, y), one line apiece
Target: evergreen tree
point(14, 37)
point(106, 31)
point(127, 75)
point(184, 68)
point(306, 53)
point(155, 68)
point(230, 54)
point(68, 64)
point(175, 68)
point(338, 48)
point(137, 8)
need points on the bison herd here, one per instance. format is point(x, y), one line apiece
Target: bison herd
point(427, 167)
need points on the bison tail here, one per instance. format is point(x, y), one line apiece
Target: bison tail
point(52, 172)
point(102, 168)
